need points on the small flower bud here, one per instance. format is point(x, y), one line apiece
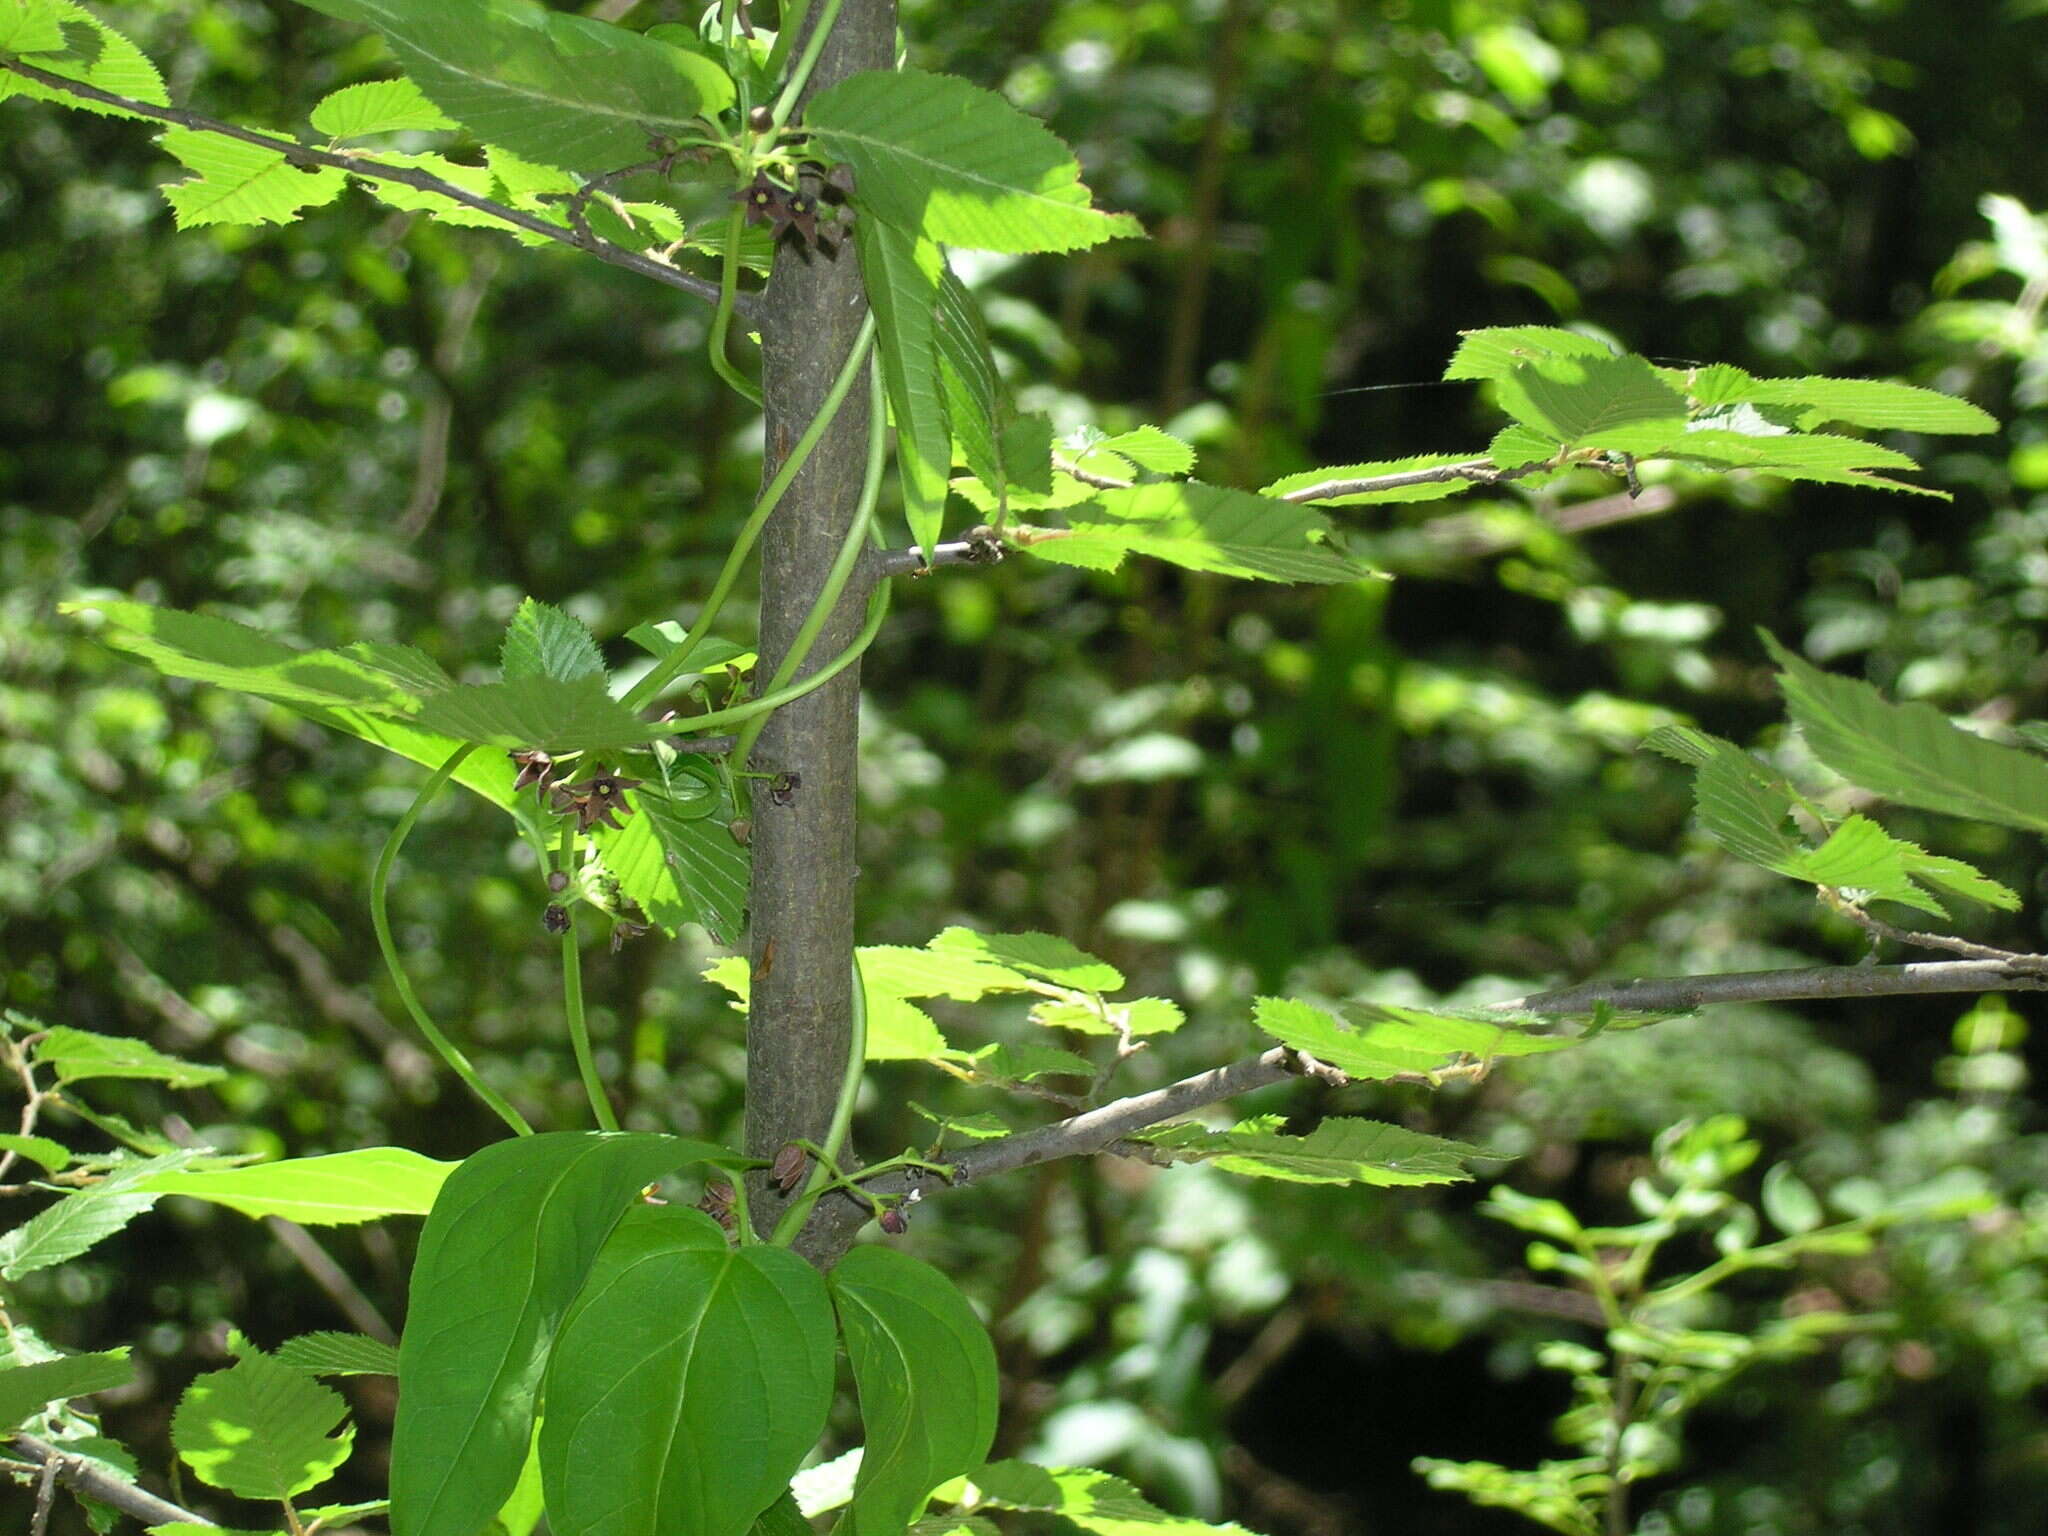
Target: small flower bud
point(556, 918)
point(558, 881)
point(894, 1222)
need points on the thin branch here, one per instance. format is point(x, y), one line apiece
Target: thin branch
point(82, 1476)
point(2028, 973)
point(305, 154)
point(980, 547)
point(1105, 1129)
point(1472, 471)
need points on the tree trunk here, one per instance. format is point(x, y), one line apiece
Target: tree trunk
point(801, 937)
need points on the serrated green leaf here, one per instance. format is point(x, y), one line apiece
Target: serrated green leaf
point(712, 653)
point(1909, 752)
point(1035, 954)
point(979, 1127)
point(1339, 1151)
point(68, 1228)
point(1205, 528)
point(1026, 1063)
point(260, 1430)
point(926, 1374)
point(559, 89)
point(1860, 856)
point(77, 1056)
point(238, 183)
point(1787, 450)
point(340, 1189)
point(901, 273)
point(230, 655)
point(1516, 446)
point(377, 106)
point(489, 774)
point(1148, 447)
point(26, 1390)
point(32, 26)
point(111, 62)
point(689, 1381)
point(1956, 877)
point(1095, 1501)
point(53, 1156)
point(938, 157)
point(1092, 1016)
point(1616, 403)
point(543, 641)
point(338, 1354)
point(504, 1252)
point(894, 969)
point(1870, 403)
point(1496, 351)
point(476, 180)
point(1429, 491)
point(1743, 806)
point(677, 863)
point(543, 712)
point(1382, 1040)
point(977, 402)
point(897, 1030)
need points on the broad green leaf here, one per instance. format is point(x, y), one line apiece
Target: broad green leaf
point(32, 26)
point(1035, 954)
point(926, 1374)
point(1860, 856)
point(260, 1430)
point(489, 774)
point(1862, 403)
point(476, 180)
point(1091, 1016)
point(68, 1228)
point(977, 402)
point(897, 1030)
point(377, 106)
point(1909, 752)
point(1495, 352)
point(978, 1127)
point(108, 60)
point(1617, 403)
point(77, 1056)
point(712, 653)
point(25, 1390)
point(678, 863)
point(1744, 807)
point(220, 651)
point(901, 272)
point(543, 712)
point(1515, 446)
point(1026, 1063)
point(1340, 1151)
point(1429, 491)
point(1956, 877)
point(905, 972)
point(1204, 528)
point(784, 1517)
point(1148, 447)
point(559, 89)
point(338, 1354)
point(543, 641)
point(1791, 1205)
point(238, 183)
point(689, 1381)
point(504, 1251)
point(1095, 1501)
point(938, 157)
point(1381, 1040)
point(340, 1189)
point(53, 1156)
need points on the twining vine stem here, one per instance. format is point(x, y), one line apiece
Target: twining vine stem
point(357, 165)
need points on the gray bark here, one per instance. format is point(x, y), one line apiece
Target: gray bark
point(801, 938)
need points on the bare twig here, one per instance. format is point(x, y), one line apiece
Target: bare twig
point(980, 547)
point(357, 165)
point(2028, 973)
point(1877, 927)
point(81, 1475)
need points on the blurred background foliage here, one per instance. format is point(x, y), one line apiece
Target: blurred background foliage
point(362, 427)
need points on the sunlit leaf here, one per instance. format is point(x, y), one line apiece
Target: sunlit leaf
point(25, 1390)
point(339, 1189)
point(260, 1430)
point(338, 1354)
point(238, 183)
point(377, 106)
point(1338, 1151)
